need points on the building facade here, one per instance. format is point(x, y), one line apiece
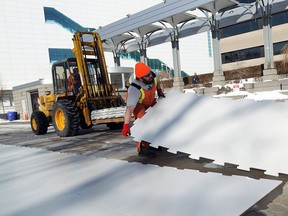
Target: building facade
point(242, 44)
point(36, 33)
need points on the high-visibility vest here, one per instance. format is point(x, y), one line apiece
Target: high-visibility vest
point(147, 97)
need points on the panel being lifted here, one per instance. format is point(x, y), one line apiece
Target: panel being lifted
point(243, 132)
point(38, 182)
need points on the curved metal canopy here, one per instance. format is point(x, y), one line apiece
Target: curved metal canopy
point(155, 33)
point(156, 28)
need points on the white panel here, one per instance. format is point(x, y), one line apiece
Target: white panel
point(244, 132)
point(38, 182)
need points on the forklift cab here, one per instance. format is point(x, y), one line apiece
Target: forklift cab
point(69, 79)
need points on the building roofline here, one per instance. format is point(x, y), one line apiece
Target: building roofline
point(32, 84)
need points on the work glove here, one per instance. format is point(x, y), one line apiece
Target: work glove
point(126, 130)
point(160, 93)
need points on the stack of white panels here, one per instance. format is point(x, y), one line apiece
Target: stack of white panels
point(244, 132)
point(114, 112)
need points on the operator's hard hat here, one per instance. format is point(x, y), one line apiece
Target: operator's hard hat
point(141, 69)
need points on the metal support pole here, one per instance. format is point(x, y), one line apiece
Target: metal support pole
point(123, 80)
point(267, 36)
point(269, 72)
point(218, 75)
point(116, 58)
point(216, 44)
point(176, 58)
point(178, 80)
point(142, 49)
point(143, 55)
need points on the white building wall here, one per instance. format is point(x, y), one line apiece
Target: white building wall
point(194, 54)
point(25, 36)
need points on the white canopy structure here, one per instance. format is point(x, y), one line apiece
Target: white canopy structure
point(172, 20)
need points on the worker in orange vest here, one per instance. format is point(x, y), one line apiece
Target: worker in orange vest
point(141, 96)
point(74, 81)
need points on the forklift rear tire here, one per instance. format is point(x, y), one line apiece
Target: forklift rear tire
point(65, 118)
point(39, 123)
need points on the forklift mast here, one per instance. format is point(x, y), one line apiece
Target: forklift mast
point(94, 75)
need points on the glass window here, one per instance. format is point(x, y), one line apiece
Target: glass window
point(253, 25)
point(53, 15)
point(7, 101)
point(278, 46)
point(127, 76)
point(60, 84)
point(256, 52)
point(209, 43)
point(59, 54)
point(241, 55)
point(279, 18)
point(240, 28)
point(246, 1)
point(116, 79)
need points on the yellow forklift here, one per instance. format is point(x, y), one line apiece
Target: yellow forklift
point(82, 94)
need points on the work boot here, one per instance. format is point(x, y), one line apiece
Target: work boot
point(146, 153)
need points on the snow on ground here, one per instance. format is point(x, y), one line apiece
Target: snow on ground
point(14, 121)
point(257, 96)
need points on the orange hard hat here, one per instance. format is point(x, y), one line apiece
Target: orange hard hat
point(141, 69)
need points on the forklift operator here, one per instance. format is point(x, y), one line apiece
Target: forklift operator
point(74, 81)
